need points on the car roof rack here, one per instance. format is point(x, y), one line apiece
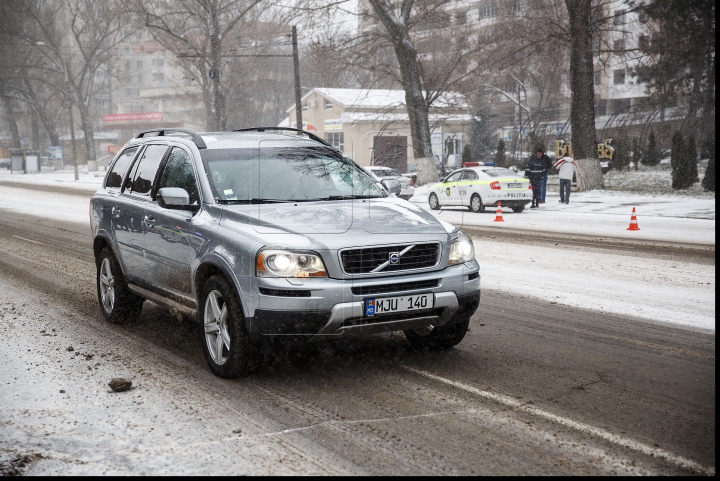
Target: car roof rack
point(199, 142)
point(263, 129)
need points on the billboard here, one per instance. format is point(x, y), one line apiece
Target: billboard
point(134, 117)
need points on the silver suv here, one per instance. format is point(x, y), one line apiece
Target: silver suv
point(265, 232)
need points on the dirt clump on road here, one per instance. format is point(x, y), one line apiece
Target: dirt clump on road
point(119, 384)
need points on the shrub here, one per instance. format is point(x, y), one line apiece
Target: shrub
point(466, 154)
point(652, 153)
point(500, 158)
point(682, 174)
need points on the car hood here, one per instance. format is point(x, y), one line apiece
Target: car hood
point(345, 223)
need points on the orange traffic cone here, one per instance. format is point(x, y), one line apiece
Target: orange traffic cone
point(633, 221)
point(498, 216)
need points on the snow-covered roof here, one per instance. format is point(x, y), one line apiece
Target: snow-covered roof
point(80, 135)
point(380, 98)
point(353, 117)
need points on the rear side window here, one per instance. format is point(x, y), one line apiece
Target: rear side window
point(145, 168)
point(179, 172)
point(115, 177)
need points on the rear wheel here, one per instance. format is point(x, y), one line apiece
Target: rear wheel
point(518, 208)
point(438, 338)
point(434, 203)
point(476, 204)
point(226, 343)
point(117, 303)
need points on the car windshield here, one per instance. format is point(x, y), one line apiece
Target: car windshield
point(285, 175)
point(500, 173)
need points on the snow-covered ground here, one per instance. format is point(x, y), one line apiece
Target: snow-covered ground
point(88, 181)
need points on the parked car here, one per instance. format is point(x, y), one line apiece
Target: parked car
point(407, 184)
point(480, 187)
point(258, 233)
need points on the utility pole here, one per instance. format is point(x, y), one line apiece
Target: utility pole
point(296, 64)
point(72, 138)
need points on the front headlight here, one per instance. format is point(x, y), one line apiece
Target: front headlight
point(282, 263)
point(462, 250)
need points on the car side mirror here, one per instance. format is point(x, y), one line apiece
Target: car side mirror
point(175, 198)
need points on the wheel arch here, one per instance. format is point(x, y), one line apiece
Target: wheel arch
point(211, 267)
point(100, 242)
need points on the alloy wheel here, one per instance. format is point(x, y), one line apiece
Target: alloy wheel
point(215, 319)
point(107, 285)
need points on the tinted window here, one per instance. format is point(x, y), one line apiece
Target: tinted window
point(500, 173)
point(146, 168)
point(114, 178)
point(470, 175)
point(179, 173)
point(454, 177)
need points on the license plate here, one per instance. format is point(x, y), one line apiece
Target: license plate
point(388, 305)
point(514, 186)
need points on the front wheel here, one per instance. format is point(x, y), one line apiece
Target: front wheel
point(438, 338)
point(117, 303)
point(434, 203)
point(476, 204)
point(226, 343)
point(517, 209)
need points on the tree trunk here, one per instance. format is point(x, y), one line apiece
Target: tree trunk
point(12, 122)
point(87, 127)
point(417, 106)
point(35, 127)
point(589, 175)
point(220, 119)
point(582, 104)
point(48, 125)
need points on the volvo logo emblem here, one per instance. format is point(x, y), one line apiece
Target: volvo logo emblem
point(394, 258)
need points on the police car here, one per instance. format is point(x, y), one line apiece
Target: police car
point(478, 186)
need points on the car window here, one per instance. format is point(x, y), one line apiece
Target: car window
point(455, 177)
point(500, 173)
point(145, 168)
point(285, 174)
point(470, 175)
point(393, 172)
point(179, 172)
point(115, 177)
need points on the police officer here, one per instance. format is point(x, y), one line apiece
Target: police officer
point(535, 170)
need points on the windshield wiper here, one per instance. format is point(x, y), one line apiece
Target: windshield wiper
point(346, 197)
point(252, 201)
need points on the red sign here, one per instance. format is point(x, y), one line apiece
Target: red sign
point(132, 117)
point(113, 149)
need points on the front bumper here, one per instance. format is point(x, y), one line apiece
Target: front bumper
point(331, 308)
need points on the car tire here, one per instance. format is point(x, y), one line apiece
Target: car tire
point(225, 340)
point(518, 208)
point(476, 204)
point(438, 338)
point(434, 202)
point(117, 304)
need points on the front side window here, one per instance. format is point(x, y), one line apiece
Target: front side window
point(179, 172)
point(470, 175)
point(285, 174)
point(454, 177)
point(115, 177)
point(144, 170)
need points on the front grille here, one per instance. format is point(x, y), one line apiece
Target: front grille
point(403, 286)
point(366, 259)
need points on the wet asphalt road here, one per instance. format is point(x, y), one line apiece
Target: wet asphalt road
point(535, 388)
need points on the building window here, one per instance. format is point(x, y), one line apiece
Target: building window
point(100, 73)
point(304, 107)
point(619, 45)
point(336, 139)
point(158, 77)
point(126, 49)
point(643, 43)
point(596, 44)
point(643, 16)
point(139, 78)
point(596, 78)
point(621, 106)
point(472, 15)
point(138, 64)
point(488, 10)
point(158, 62)
point(128, 92)
point(619, 17)
point(461, 18)
point(328, 104)
point(619, 77)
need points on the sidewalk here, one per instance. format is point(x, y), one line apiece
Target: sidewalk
point(65, 179)
point(598, 214)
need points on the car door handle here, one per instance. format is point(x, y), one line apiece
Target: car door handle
point(150, 220)
point(115, 211)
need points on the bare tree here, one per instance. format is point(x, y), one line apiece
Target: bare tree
point(204, 32)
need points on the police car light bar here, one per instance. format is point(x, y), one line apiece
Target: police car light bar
point(478, 164)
